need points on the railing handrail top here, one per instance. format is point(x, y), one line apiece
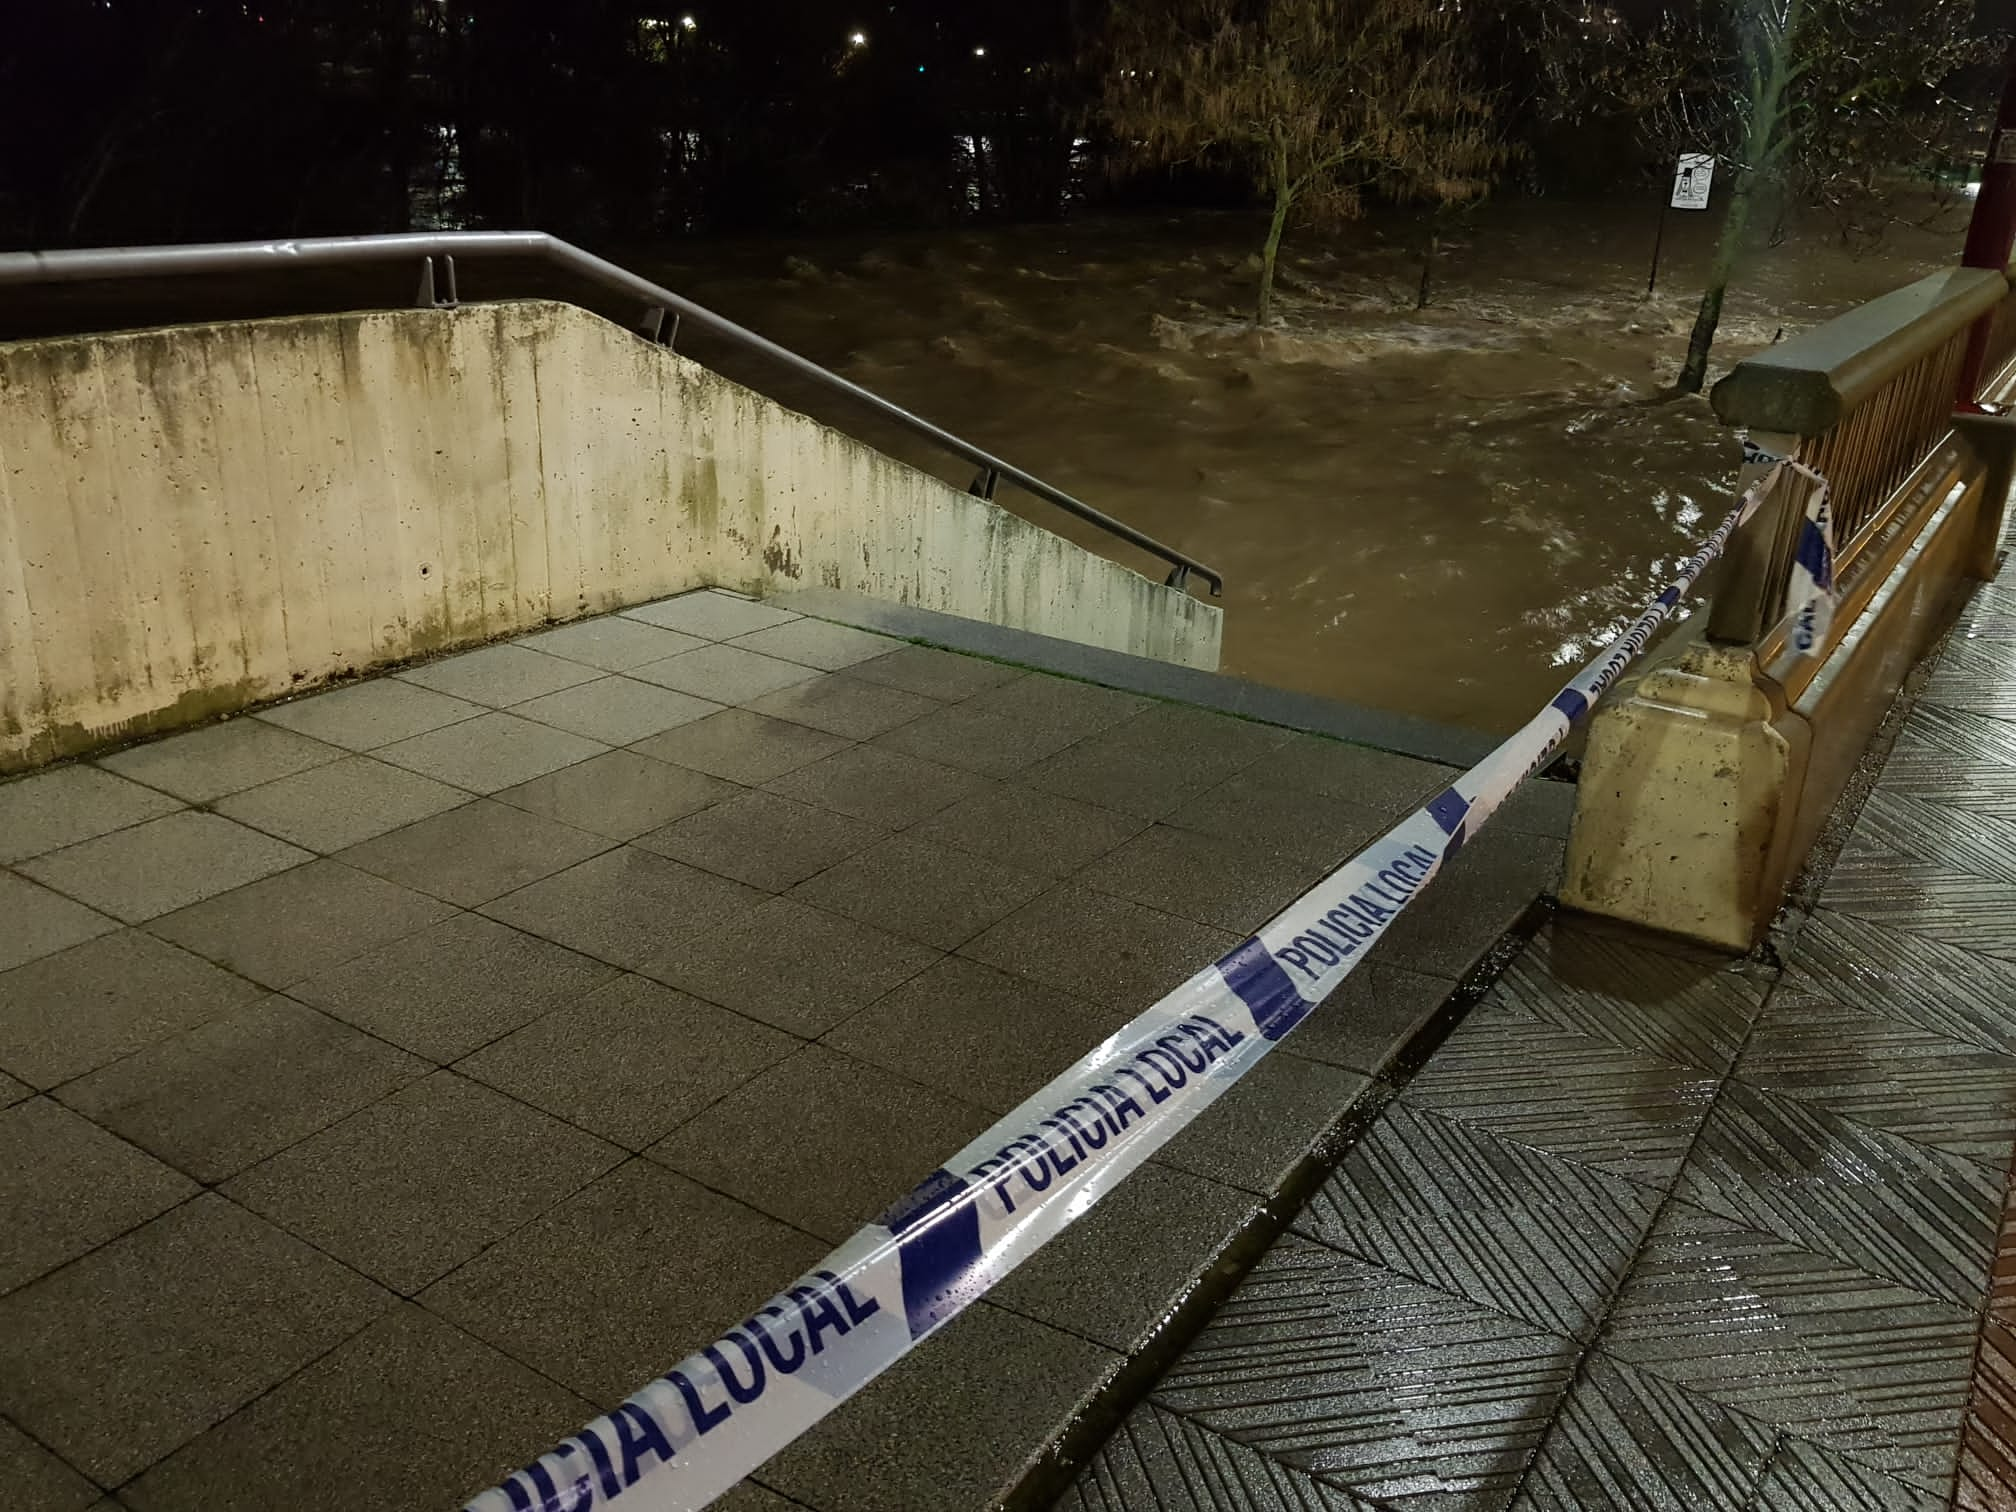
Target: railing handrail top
point(1806, 385)
point(84, 264)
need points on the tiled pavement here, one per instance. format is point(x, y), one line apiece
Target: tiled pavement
point(1652, 1230)
point(393, 1079)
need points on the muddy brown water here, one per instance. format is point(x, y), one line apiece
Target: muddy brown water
point(1440, 512)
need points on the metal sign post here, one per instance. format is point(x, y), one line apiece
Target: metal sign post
point(1692, 176)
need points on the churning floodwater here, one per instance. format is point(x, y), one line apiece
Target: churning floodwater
point(1435, 511)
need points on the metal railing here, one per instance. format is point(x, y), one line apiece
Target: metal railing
point(1867, 401)
point(433, 256)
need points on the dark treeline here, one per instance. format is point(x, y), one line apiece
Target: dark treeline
point(612, 120)
point(151, 120)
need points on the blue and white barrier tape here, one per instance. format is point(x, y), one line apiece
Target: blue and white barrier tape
point(686, 1437)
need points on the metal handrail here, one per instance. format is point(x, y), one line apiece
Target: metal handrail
point(85, 265)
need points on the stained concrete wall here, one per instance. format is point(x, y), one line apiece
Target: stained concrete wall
point(198, 518)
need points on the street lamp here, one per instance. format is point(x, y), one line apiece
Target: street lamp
point(857, 39)
point(687, 23)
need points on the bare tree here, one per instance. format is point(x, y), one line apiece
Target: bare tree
point(1320, 101)
point(1828, 103)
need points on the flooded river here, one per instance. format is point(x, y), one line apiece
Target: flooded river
point(1438, 512)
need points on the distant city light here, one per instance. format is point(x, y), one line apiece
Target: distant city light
point(857, 39)
point(979, 52)
point(688, 22)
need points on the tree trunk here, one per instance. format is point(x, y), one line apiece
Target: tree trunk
point(1709, 316)
point(1770, 75)
point(1284, 196)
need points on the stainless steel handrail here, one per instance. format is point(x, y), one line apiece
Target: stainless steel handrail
point(85, 265)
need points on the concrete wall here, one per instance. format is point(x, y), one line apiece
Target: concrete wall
point(198, 518)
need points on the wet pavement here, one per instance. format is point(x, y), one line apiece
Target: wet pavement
point(1654, 1229)
point(395, 1078)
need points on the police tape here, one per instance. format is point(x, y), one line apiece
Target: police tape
point(686, 1437)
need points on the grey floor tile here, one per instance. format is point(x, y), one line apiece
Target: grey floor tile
point(621, 795)
point(1157, 1459)
point(370, 714)
point(1804, 1477)
point(944, 675)
point(1037, 832)
point(1913, 978)
point(1313, 827)
point(164, 864)
point(611, 642)
point(789, 964)
point(1370, 1018)
point(1100, 947)
point(490, 752)
point(1337, 769)
point(818, 643)
point(1115, 1273)
point(627, 906)
point(291, 926)
point(497, 676)
point(475, 853)
point(415, 1184)
point(1928, 898)
point(383, 1423)
point(925, 892)
point(1628, 1438)
point(710, 615)
point(1254, 1134)
point(67, 1186)
point(883, 787)
point(1004, 730)
point(71, 1013)
point(1658, 997)
point(125, 1355)
point(616, 710)
point(1474, 900)
point(329, 807)
point(631, 1061)
point(1891, 1075)
point(46, 811)
point(623, 1280)
point(12, 1091)
point(1403, 1394)
point(1506, 1226)
point(763, 840)
point(1584, 1099)
point(1538, 806)
point(838, 1103)
point(747, 1496)
point(844, 705)
point(1919, 1217)
point(1149, 764)
point(36, 1480)
point(1894, 825)
point(976, 1033)
point(724, 674)
point(205, 764)
point(247, 1083)
point(35, 922)
point(993, 1383)
point(1798, 1340)
point(1203, 877)
point(458, 985)
point(1965, 761)
point(742, 747)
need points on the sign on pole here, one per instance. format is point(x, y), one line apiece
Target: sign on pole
point(1691, 180)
